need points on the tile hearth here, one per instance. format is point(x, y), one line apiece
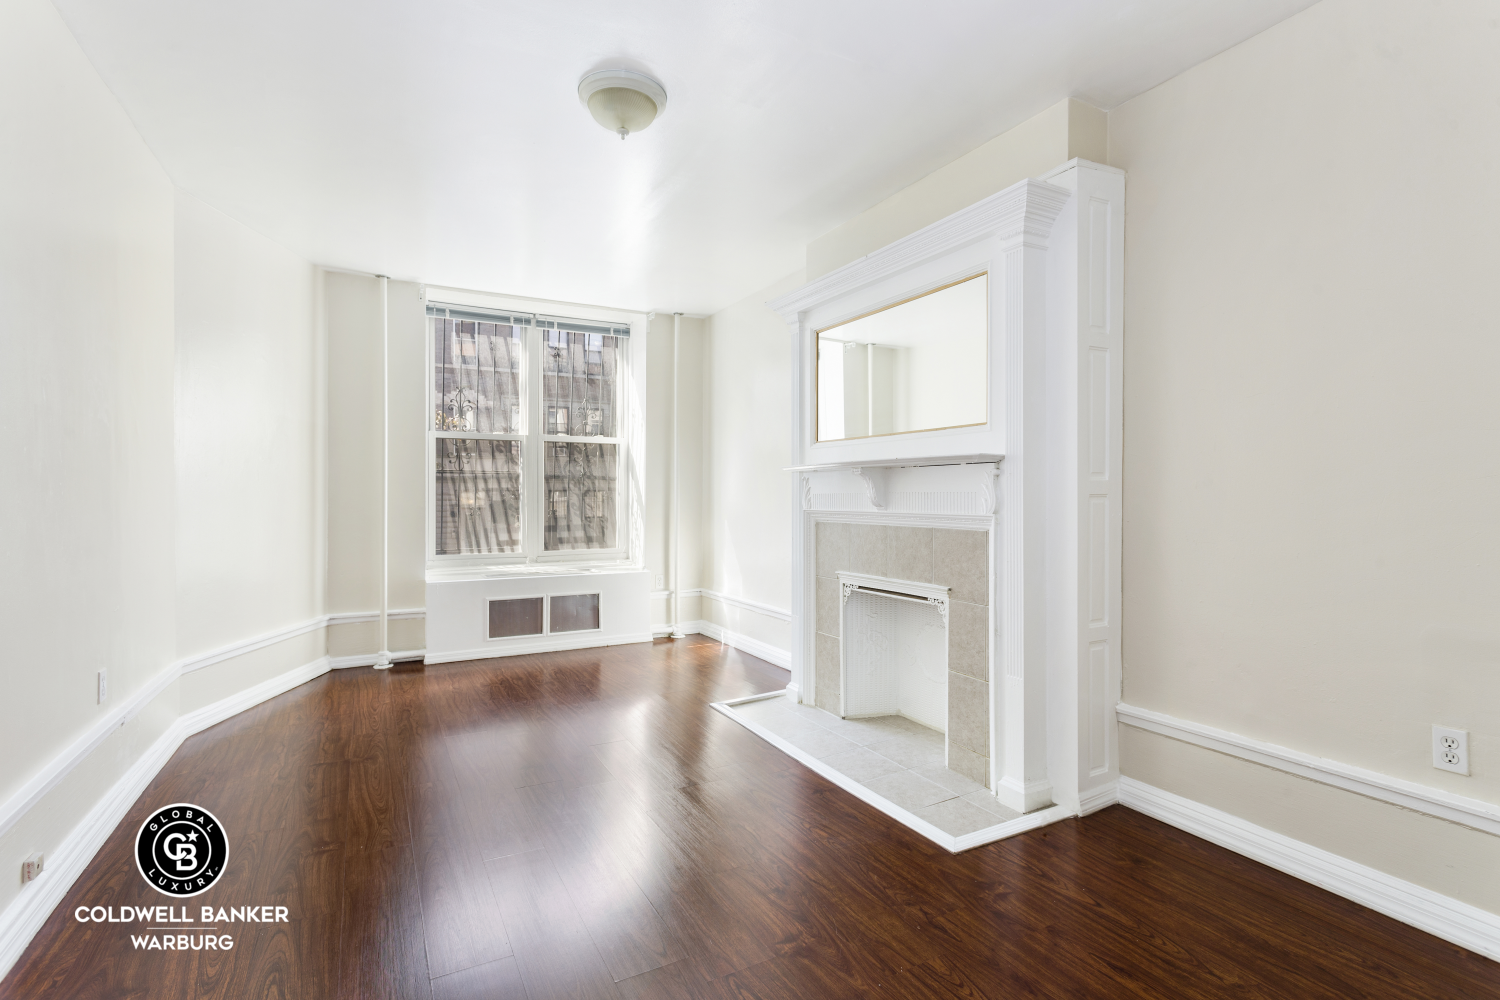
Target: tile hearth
point(892, 756)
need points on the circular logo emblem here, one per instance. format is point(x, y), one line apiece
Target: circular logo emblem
point(181, 849)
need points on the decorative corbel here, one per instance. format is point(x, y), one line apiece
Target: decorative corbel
point(807, 491)
point(989, 488)
point(874, 479)
point(942, 607)
point(845, 590)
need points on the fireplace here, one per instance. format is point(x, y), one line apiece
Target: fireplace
point(1008, 512)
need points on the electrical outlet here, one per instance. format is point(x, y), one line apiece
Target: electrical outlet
point(1450, 749)
point(661, 582)
point(31, 868)
point(103, 686)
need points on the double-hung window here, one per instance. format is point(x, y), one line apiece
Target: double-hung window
point(527, 436)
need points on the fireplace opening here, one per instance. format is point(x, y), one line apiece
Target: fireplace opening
point(894, 650)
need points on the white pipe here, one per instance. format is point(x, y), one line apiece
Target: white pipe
point(676, 503)
point(383, 658)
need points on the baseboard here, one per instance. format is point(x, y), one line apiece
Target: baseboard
point(754, 647)
point(1450, 919)
point(368, 659)
point(25, 915)
point(211, 715)
point(1097, 798)
point(58, 768)
point(1475, 813)
point(543, 644)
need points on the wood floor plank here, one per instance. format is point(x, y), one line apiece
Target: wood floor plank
point(622, 923)
point(582, 825)
point(556, 956)
point(499, 980)
point(463, 921)
point(382, 948)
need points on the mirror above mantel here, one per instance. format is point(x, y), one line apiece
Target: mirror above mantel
point(918, 365)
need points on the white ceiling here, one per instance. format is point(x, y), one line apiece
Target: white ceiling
point(443, 141)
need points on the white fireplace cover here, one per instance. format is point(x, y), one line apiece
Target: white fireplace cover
point(894, 649)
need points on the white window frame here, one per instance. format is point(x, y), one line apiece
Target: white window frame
point(628, 439)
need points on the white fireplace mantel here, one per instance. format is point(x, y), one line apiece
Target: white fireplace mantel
point(1041, 475)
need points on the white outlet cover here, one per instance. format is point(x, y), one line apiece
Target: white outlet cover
point(1450, 750)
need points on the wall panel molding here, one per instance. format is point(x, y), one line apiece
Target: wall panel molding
point(745, 604)
point(1436, 802)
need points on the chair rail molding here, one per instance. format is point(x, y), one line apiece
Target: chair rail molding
point(1474, 813)
point(1042, 473)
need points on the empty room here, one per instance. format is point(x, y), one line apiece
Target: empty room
point(724, 501)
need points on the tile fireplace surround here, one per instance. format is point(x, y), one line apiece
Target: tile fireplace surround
point(955, 558)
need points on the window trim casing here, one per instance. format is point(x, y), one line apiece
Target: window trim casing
point(629, 439)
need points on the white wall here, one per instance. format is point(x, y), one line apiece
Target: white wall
point(85, 410)
point(1310, 461)
point(747, 496)
point(249, 529)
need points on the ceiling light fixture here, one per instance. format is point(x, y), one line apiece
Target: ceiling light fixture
point(621, 100)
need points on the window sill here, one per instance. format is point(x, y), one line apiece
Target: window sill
point(455, 574)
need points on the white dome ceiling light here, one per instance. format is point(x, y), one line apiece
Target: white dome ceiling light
point(621, 100)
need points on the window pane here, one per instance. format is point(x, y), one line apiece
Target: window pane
point(476, 378)
point(478, 496)
point(579, 371)
point(580, 495)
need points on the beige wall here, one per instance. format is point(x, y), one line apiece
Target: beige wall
point(691, 392)
point(1066, 130)
point(1310, 540)
point(747, 496)
point(249, 530)
point(355, 445)
point(158, 422)
point(85, 413)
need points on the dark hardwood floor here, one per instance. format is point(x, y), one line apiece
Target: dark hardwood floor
point(581, 825)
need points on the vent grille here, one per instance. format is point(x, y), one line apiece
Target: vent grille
point(516, 616)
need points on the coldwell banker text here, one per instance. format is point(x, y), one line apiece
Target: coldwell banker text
point(192, 937)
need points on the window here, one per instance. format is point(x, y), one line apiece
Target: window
point(526, 431)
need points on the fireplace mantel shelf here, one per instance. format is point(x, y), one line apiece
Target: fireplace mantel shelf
point(899, 463)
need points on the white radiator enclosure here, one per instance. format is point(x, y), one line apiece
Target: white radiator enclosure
point(458, 612)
